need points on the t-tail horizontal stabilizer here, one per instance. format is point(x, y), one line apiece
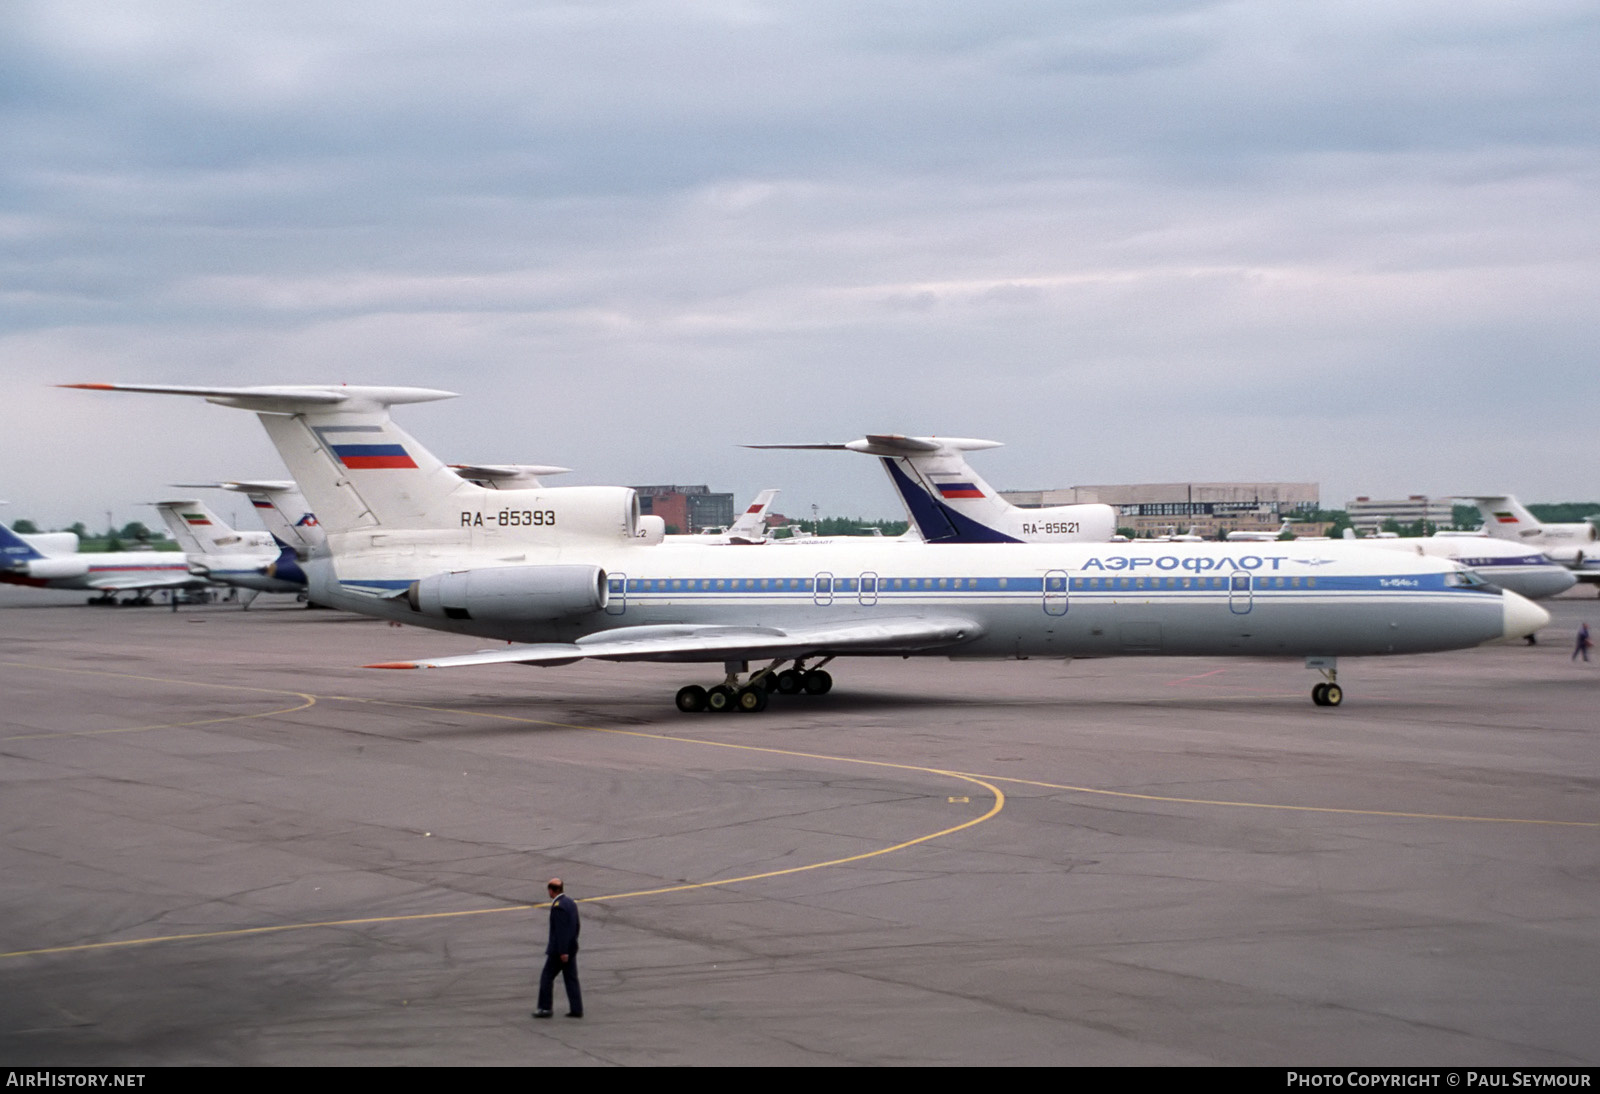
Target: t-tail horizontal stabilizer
point(949, 502)
point(375, 488)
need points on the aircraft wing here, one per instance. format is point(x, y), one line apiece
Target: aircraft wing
point(130, 583)
point(715, 642)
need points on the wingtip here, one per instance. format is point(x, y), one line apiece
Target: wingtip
point(393, 665)
point(91, 387)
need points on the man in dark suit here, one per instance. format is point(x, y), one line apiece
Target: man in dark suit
point(561, 953)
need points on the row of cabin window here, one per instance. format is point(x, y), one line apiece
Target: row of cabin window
point(850, 584)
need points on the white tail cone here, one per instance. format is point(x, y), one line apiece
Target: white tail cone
point(1522, 616)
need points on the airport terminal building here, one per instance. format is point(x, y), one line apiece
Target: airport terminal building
point(1211, 509)
point(1368, 515)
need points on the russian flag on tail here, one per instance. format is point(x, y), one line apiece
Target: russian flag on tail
point(372, 457)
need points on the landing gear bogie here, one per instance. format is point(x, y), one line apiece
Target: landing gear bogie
point(818, 682)
point(755, 694)
point(691, 699)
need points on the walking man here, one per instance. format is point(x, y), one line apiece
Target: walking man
point(560, 953)
point(1583, 642)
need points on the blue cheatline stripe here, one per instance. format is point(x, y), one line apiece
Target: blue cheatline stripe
point(990, 586)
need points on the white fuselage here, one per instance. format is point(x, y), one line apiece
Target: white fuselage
point(1524, 570)
point(1023, 600)
point(90, 571)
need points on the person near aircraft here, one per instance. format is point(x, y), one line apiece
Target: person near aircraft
point(560, 954)
point(1583, 642)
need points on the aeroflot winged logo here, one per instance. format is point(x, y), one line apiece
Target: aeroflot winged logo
point(343, 442)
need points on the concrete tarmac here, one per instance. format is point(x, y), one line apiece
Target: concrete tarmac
point(226, 843)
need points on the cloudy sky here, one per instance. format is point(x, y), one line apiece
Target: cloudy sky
point(1356, 243)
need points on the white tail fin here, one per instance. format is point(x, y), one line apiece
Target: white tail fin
point(200, 531)
point(1504, 517)
point(282, 510)
point(364, 474)
point(751, 527)
point(358, 469)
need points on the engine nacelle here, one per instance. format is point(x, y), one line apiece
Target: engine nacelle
point(56, 569)
point(649, 530)
point(52, 543)
point(512, 593)
point(1087, 522)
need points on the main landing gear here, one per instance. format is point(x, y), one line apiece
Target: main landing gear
point(752, 696)
point(1328, 694)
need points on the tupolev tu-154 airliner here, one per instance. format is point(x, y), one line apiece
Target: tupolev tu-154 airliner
point(560, 573)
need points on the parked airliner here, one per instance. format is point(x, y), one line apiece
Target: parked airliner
point(557, 572)
point(253, 561)
point(1575, 545)
point(53, 561)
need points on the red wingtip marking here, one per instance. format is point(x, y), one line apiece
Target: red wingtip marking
point(91, 387)
point(392, 665)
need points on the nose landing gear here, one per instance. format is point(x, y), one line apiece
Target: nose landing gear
point(1328, 694)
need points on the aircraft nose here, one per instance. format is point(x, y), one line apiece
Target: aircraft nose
point(1521, 616)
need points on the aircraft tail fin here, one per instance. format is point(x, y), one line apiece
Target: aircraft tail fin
point(282, 510)
point(752, 523)
point(197, 529)
point(945, 498)
point(1504, 516)
point(359, 470)
point(14, 549)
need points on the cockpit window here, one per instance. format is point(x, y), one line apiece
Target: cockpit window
point(1466, 579)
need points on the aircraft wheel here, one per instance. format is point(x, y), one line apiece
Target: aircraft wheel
point(751, 700)
point(1333, 696)
point(766, 680)
point(1319, 695)
point(818, 682)
point(719, 700)
point(790, 682)
point(692, 699)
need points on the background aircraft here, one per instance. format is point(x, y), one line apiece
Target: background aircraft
point(1515, 566)
point(748, 530)
point(252, 561)
point(281, 508)
point(53, 561)
point(948, 502)
point(556, 572)
point(1575, 546)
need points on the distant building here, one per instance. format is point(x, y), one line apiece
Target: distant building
point(686, 509)
point(1369, 514)
point(1212, 509)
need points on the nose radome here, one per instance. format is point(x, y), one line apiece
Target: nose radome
point(1521, 616)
